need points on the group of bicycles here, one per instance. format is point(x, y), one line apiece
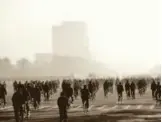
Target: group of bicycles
point(73, 87)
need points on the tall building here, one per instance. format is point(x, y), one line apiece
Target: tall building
point(71, 39)
point(71, 53)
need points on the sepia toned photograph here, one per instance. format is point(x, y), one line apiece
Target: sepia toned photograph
point(80, 61)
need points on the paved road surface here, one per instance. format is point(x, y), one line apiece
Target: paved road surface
point(143, 108)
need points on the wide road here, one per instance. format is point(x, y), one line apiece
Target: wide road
point(142, 109)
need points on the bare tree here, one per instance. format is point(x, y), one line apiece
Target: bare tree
point(5, 66)
point(23, 64)
point(23, 67)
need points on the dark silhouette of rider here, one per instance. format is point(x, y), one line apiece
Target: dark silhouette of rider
point(3, 93)
point(46, 91)
point(127, 88)
point(70, 92)
point(120, 90)
point(153, 88)
point(85, 97)
point(90, 88)
point(133, 87)
point(36, 96)
point(63, 104)
point(158, 91)
point(18, 102)
point(105, 86)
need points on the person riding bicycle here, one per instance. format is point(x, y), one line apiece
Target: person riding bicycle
point(90, 88)
point(3, 93)
point(105, 87)
point(76, 88)
point(120, 90)
point(153, 89)
point(36, 96)
point(158, 91)
point(85, 97)
point(26, 96)
point(127, 88)
point(133, 87)
point(63, 104)
point(46, 91)
point(70, 92)
point(18, 102)
point(15, 85)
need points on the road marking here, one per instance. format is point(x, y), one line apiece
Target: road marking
point(102, 107)
point(42, 107)
point(108, 109)
point(90, 107)
point(54, 107)
point(78, 108)
point(10, 109)
point(139, 106)
point(154, 116)
point(5, 108)
point(152, 106)
point(128, 106)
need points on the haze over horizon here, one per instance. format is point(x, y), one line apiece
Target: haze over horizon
point(124, 36)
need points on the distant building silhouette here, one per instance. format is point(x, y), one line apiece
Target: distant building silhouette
point(71, 39)
point(70, 54)
point(42, 58)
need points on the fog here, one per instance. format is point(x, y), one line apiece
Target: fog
point(122, 34)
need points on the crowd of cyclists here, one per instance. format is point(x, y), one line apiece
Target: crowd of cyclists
point(33, 92)
point(88, 88)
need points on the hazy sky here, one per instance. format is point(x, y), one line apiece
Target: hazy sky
point(123, 33)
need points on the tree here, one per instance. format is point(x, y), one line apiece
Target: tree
point(23, 64)
point(5, 66)
point(23, 67)
point(5, 63)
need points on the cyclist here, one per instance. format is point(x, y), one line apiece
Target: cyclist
point(70, 93)
point(85, 98)
point(3, 93)
point(62, 103)
point(105, 87)
point(127, 89)
point(158, 92)
point(18, 102)
point(153, 88)
point(120, 92)
point(90, 88)
point(133, 87)
point(26, 96)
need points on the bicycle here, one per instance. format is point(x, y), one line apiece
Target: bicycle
point(2, 102)
point(158, 98)
point(120, 98)
point(63, 119)
point(27, 110)
point(85, 107)
point(93, 96)
point(21, 114)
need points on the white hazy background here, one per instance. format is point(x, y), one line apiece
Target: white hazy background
point(122, 33)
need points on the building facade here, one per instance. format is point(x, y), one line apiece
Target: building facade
point(71, 39)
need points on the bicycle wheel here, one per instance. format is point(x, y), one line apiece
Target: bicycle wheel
point(21, 117)
point(64, 120)
point(85, 109)
point(119, 98)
